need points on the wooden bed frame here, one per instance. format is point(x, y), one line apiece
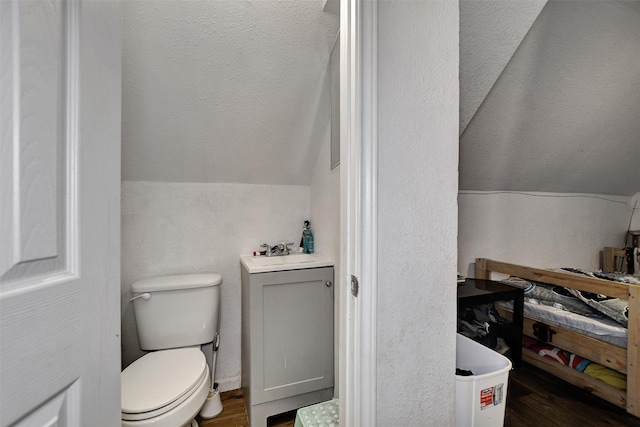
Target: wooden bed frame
point(626, 361)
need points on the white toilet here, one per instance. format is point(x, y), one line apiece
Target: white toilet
point(174, 315)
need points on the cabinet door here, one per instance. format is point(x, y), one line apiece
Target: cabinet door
point(292, 333)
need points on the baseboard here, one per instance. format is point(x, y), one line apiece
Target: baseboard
point(231, 383)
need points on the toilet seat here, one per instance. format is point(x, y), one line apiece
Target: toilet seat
point(160, 381)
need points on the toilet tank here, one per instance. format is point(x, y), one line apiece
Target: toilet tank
point(183, 310)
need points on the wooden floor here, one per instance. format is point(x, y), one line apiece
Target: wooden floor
point(234, 415)
point(534, 399)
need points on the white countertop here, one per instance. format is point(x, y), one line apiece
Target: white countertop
point(264, 264)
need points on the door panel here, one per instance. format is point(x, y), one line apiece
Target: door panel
point(291, 333)
point(33, 148)
point(39, 296)
point(303, 310)
point(44, 212)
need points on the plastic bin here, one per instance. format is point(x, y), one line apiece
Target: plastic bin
point(324, 414)
point(481, 398)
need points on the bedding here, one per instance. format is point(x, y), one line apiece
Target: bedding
point(574, 301)
point(613, 276)
point(604, 374)
point(554, 296)
point(603, 329)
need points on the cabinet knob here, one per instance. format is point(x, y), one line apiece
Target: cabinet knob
point(328, 284)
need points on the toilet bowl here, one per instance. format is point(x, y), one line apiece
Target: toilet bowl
point(175, 315)
point(165, 388)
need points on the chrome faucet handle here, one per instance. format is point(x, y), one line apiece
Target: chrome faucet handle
point(267, 247)
point(287, 248)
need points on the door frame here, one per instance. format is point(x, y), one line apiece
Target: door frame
point(358, 211)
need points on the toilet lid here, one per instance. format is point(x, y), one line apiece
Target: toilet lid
point(159, 378)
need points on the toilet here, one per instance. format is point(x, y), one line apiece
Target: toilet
point(174, 316)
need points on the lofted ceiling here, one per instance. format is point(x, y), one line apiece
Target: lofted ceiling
point(238, 91)
point(225, 90)
point(563, 115)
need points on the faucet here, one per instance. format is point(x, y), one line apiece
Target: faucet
point(280, 249)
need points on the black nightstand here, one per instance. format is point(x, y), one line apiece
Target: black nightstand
point(475, 292)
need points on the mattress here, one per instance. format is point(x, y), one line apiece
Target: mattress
point(603, 329)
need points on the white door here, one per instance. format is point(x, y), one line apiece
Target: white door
point(59, 213)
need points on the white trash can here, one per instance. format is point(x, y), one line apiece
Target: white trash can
point(481, 398)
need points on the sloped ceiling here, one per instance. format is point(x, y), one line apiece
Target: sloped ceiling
point(237, 91)
point(564, 114)
point(490, 32)
point(225, 90)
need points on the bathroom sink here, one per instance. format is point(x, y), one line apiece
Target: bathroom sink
point(287, 259)
point(266, 261)
point(263, 264)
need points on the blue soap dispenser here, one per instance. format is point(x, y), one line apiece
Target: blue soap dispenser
point(307, 238)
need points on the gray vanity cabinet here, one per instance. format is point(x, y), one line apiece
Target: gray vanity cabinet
point(287, 340)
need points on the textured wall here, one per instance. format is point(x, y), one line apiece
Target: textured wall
point(225, 90)
point(215, 92)
point(174, 228)
point(564, 116)
point(539, 229)
point(490, 32)
point(325, 222)
point(417, 211)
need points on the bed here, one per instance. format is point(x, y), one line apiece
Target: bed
point(620, 358)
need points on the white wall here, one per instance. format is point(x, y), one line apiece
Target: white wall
point(417, 211)
point(173, 228)
point(325, 207)
point(325, 222)
point(539, 229)
point(263, 118)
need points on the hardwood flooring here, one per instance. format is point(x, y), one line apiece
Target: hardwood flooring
point(234, 415)
point(534, 399)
